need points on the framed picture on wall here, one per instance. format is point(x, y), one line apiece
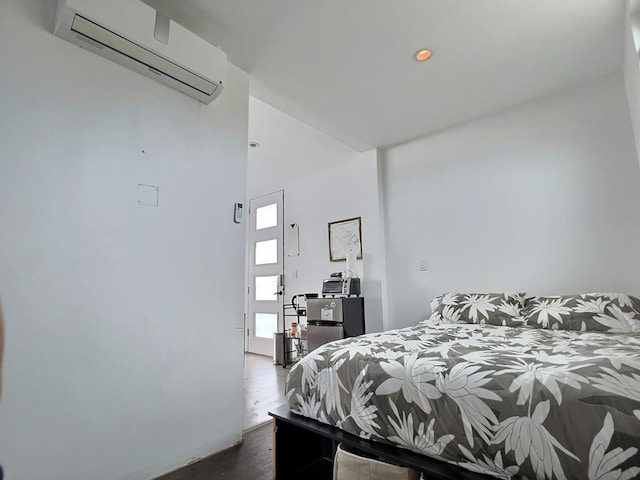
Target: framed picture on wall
point(345, 236)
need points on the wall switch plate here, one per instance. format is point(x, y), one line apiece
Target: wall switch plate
point(237, 213)
point(422, 265)
point(148, 195)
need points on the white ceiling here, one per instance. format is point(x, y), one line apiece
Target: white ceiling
point(345, 67)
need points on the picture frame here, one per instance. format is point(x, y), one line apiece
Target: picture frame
point(344, 234)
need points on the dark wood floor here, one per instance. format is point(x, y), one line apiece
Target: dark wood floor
point(250, 460)
point(263, 389)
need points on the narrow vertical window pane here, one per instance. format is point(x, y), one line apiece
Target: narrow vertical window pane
point(266, 324)
point(267, 217)
point(267, 252)
point(266, 288)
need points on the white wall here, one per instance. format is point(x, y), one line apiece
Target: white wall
point(346, 191)
point(289, 149)
point(323, 181)
point(542, 198)
point(124, 323)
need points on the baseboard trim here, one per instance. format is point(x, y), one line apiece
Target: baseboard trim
point(258, 425)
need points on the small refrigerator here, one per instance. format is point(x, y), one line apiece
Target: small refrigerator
point(333, 318)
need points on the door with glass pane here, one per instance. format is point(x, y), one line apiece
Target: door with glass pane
point(266, 232)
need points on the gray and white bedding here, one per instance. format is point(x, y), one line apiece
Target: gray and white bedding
point(508, 401)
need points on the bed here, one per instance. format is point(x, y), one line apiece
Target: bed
point(545, 387)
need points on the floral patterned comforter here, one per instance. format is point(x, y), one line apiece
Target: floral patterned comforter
point(505, 401)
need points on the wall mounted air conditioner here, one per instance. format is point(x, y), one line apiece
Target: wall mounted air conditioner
point(133, 34)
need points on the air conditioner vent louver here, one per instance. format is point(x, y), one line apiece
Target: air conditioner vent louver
point(123, 31)
point(84, 39)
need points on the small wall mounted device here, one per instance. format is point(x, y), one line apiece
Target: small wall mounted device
point(237, 213)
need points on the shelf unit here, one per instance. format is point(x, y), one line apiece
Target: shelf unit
point(292, 345)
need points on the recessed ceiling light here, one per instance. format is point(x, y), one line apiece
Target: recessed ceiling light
point(254, 144)
point(423, 55)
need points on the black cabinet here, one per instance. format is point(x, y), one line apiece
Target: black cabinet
point(304, 449)
point(353, 324)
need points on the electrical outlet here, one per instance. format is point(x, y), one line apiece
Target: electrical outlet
point(422, 265)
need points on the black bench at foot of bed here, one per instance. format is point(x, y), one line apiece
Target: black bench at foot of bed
point(304, 449)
